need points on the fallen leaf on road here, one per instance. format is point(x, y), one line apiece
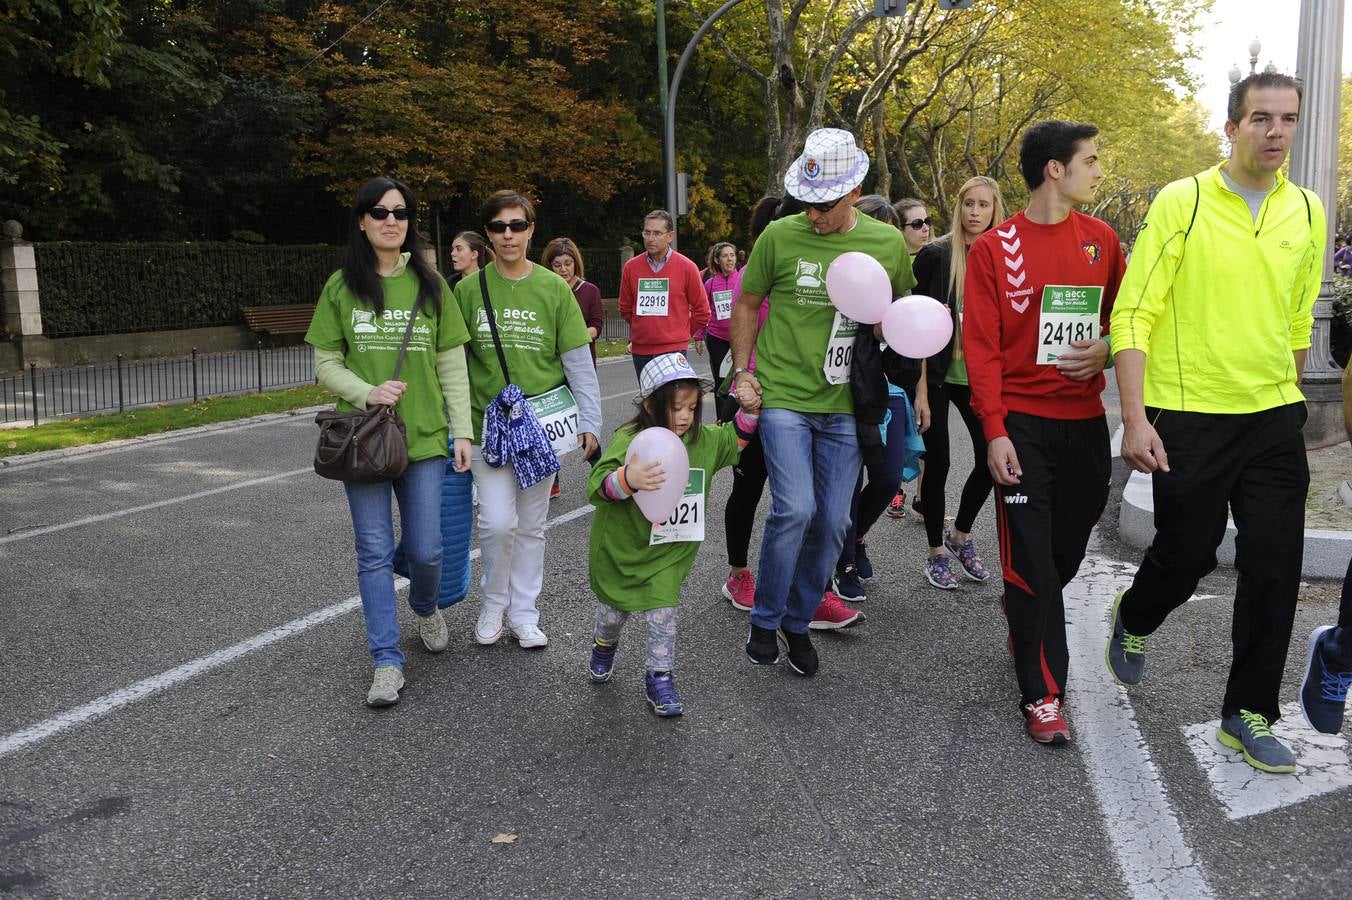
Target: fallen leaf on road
point(503, 839)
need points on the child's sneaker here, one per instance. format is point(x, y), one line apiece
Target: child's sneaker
point(846, 582)
point(897, 508)
point(938, 573)
point(1323, 692)
point(740, 589)
point(861, 561)
point(662, 694)
point(602, 664)
point(832, 613)
point(967, 557)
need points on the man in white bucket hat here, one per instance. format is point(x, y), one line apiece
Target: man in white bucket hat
point(803, 357)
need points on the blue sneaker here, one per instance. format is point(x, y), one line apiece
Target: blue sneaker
point(846, 583)
point(1249, 731)
point(602, 663)
point(1126, 651)
point(861, 560)
point(662, 694)
point(1323, 692)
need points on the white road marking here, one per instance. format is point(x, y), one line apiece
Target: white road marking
point(1321, 766)
point(103, 517)
point(1155, 858)
point(147, 687)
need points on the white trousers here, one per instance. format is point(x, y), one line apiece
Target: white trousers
point(511, 540)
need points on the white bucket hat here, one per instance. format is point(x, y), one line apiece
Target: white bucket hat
point(831, 166)
point(664, 368)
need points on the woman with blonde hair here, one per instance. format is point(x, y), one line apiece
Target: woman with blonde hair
point(940, 269)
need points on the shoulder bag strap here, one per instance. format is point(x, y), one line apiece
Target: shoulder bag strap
point(493, 325)
point(408, 333)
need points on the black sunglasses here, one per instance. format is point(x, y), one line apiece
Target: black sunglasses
point(825, 207)
point(917, 224)
point(497, 226)
point(380, 213)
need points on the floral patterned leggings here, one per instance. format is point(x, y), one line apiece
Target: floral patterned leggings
point(661, 633)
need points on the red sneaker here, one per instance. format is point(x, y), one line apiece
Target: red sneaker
point(832, 613)
point(897, 508)
point(1046, 725)
point(740, 589)
point(554, 491)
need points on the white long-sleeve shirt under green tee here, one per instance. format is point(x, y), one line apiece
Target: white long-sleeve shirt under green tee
point(1219, 300)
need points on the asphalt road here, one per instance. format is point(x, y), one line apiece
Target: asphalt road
point(133, 762)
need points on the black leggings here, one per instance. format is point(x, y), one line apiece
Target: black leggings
point(718, 351)
point(937, 458)
point(748, 483)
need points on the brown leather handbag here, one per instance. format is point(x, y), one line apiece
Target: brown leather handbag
point(367, 444)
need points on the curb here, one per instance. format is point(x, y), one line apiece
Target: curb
point(23, 461)
point(1326, 550)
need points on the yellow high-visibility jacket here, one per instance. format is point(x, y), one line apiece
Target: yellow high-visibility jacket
point(1218, 301)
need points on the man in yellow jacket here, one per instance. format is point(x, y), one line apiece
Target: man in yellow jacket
point(1210, 331)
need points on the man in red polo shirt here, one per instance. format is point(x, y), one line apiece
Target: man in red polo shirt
point(661, 295)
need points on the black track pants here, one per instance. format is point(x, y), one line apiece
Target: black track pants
point(1044, 524)
point(1256, 463)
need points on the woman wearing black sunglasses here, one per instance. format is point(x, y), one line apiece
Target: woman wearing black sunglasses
point(357, 330)
point(545, 343)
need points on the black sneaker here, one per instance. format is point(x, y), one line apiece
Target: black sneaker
point(846, 582)
point(862, 563)
point(761, 647)
point(802, 656)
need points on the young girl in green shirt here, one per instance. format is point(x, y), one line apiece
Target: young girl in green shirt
point(637, 566)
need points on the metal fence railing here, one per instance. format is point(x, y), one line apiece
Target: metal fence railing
point(39, 394)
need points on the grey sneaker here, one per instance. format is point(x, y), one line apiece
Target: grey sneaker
point(1248, 731)
point(1126, 651)
point(435, 636)
point(385, 686)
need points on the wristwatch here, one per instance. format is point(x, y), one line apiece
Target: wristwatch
point(739, 371)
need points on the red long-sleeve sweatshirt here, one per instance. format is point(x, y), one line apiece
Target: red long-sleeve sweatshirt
point(1009, 315)
point(687, 306)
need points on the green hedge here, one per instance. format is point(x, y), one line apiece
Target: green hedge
point(110, 288)
point(1341, 338)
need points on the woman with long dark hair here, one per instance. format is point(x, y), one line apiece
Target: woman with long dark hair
point(357, 330)
point(940, 270)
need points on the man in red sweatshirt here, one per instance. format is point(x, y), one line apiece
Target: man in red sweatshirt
point(661, 295)
point(1038, 293)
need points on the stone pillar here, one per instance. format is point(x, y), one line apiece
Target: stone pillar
point(19, 283)
point(1314, 164)
point(626, 254)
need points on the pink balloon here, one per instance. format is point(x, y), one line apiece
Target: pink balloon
point(917, 326)
point(859, 287)
point(661, 444)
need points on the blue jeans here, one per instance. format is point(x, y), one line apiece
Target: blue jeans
point(813, 461)
point(418, 491)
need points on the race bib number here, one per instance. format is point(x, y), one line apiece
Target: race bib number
point(1069, 313)
point(652, 296)
point(686, 522)
point(722, 305)
point(557, 412)
point(840, 350)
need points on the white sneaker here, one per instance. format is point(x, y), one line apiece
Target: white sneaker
point(385, 686)
point(435, 636)
point(489, 627)
point(530, 637)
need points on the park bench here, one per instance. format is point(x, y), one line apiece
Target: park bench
point(291, 318)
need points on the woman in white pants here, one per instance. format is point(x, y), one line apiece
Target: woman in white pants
point(544, 341)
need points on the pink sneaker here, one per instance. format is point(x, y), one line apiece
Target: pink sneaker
point(740, 589)
point(832, 613)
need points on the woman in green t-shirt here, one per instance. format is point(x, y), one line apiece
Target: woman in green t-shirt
point(357, 330)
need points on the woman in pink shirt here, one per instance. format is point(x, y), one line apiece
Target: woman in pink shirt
point(721, 288)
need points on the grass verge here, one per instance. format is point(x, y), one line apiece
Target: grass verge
point(156, 419)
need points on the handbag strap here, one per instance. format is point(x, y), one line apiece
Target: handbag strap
point(408, 333)
point(493, 326)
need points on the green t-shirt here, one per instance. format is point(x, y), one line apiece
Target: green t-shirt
point(957, 368)
point(788, 264)
point(370, 346)
point(538, 321)
point(627, 573)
